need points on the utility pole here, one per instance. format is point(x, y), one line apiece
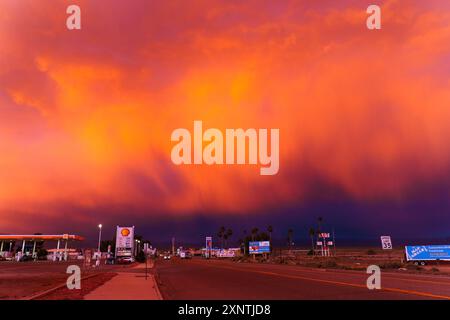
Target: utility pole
point(146, 266)
point(334, 244)
point(173, 245)
point(322, 247)
point(99, 237)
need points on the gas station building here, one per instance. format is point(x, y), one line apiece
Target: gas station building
point(8, 239)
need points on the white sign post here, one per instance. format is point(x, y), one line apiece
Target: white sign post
point(325, 251)
point(386, 243)
point(208, 247)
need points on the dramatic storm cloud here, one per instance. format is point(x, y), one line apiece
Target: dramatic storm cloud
point(86, 115)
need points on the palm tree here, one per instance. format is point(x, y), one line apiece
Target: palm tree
point(241, 242)
point(312, 232)
point(225, 238)
point(245, 241)
point(228, 235)
point(270, 230)
point(290, 235)
point(319, 222)
point(221, 235)
point(254, 233)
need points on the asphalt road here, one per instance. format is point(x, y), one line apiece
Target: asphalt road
point(199, 279)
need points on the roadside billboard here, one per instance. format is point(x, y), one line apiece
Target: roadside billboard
point(124, 241)
point(257, 247)
point(435, 252)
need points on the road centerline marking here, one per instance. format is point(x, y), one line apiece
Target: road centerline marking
point(395, 290)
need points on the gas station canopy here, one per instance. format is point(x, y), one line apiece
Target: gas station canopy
point(39, 237)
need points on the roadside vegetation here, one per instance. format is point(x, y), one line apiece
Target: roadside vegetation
point(357, 262)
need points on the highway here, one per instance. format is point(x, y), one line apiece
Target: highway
point(199, 279)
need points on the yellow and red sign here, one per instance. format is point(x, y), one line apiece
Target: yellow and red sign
point(125, 232)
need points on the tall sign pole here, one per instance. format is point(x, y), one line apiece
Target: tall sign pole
point(321, 249)
point(334, 244)
point(386, 244)
point(208, 247)
point(99, 238)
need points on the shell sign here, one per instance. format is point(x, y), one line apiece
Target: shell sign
point(124, 241)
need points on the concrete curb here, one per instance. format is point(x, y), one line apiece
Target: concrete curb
point(155, 285)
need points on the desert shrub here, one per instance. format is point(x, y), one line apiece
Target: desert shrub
point(391, 265)
point(328, 264)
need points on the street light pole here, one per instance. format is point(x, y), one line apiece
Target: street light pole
point(99, 237)
point(136, 247)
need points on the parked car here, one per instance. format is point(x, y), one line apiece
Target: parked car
point(26, 258)
point(185, 255)
point(167, 257)
point(124, 260)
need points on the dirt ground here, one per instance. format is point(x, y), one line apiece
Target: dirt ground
point(351, 259)
point(21, 280)
point(88, 285)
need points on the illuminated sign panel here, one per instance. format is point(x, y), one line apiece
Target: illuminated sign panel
point(436, 252)
point(124, 241)
point(256, 247)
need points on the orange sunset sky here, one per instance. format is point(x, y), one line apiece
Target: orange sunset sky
point(86, 115)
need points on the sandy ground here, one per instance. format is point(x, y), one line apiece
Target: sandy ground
point(25, 279)
point(352, 259)
point(89, 285)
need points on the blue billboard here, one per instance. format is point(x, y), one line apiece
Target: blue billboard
point(256, 247)
point(436, 252)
